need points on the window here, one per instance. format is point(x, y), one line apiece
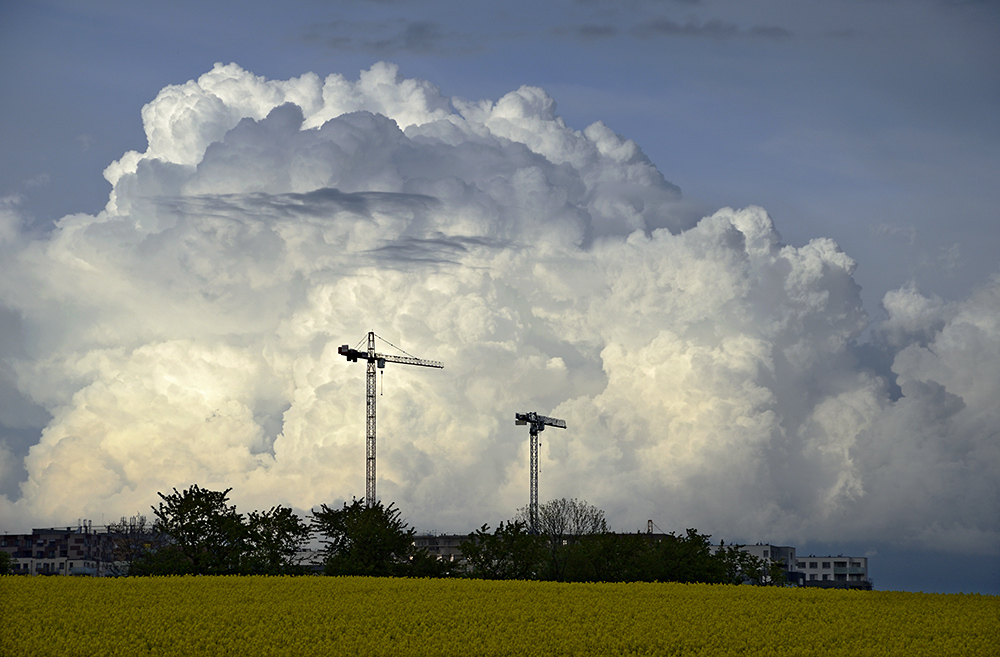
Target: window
point(812, 564)
point(826, 564)
point(765, 554)
point(812, 576)
point(825, 577)
point(840, 564)
point(800, 564)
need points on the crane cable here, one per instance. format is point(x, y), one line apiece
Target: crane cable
point(394, 346)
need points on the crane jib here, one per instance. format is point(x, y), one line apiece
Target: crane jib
point(354, 355)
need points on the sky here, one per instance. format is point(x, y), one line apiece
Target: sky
point(745, 250)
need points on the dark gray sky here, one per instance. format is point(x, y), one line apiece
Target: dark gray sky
point(843, 368)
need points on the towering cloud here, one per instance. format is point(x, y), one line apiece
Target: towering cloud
point(708, 373)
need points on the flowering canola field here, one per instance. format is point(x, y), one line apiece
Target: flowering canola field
point(371, 616)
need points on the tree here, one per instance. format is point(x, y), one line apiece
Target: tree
point(566, 518)
point(510, 552)
point(740, 567)
point(206, 535)
point(7, 563)
point(562, 523)
point(686, 558)
point(608, 557)
point(132, 540)
point(777, 575)
point(364, 540)
point(274, 539)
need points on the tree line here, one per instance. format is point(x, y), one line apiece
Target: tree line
point(572, 543)
point(197, 531)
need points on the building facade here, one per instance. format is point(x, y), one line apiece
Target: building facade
point(60, 551)
point(826, 572)
point(834, 572)
point(445, 547)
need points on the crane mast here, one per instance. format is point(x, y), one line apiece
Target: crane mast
point(376, 361)
point(536, 423)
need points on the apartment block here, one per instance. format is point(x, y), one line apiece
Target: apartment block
point(60, 551)
point(834, 571)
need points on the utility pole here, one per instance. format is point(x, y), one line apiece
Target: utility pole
point(376, 362)
point(536, 423)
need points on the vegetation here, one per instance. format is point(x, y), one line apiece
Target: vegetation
point(6, 563)
point(370, 540)
point(307, 616)
point(197, 532)
point(573, 544)
point(132, 539)
point(510, 552)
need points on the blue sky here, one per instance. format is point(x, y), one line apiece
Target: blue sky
point(872, 123)
point(869, 122)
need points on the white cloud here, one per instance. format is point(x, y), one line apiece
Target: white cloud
point(189, 333)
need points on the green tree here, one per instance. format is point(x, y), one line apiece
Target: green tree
point(197, 531)
point(6, 563)
point(685, 558)
point(273, 540)
point(510, 552)
point(776, 573)
point(206, 535)
point(364, 540)
point(608, 557)
point(740, 567)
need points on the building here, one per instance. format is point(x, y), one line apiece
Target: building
point(834, 572)
point(783, 555)
point(61, 551)
point(445, 547)
point(826, 572)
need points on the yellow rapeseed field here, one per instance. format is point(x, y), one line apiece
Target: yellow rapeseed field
point(207, 616)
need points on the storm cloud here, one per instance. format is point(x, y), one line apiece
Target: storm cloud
point(709, 373)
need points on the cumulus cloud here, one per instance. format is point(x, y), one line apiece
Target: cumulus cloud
point(707, 373)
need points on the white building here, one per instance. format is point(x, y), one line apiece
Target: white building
point(834, 571)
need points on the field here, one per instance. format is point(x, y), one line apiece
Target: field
point(369, 616)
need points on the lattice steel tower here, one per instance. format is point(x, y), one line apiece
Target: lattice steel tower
point(376, 362)
point(536, 424)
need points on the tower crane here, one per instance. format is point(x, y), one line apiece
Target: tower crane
point(376, 361)
point(536, 424)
